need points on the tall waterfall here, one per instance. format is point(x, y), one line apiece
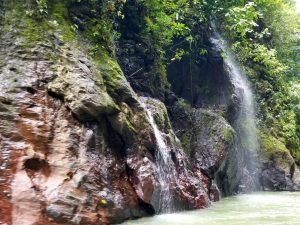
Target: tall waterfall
point(247, 143)
point(165, 165)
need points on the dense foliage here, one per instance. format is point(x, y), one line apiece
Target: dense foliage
point(168, 29)
point(263, 33)
point(265, 36)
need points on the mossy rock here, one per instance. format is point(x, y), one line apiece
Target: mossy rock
point(160, 114)
point(275, 153)
point(115, 81)
point(33, 29)
point(215, 125)
point(297, 158)
point(122, 125)
point(207, 139)
point(81, 87)
point(271, 145)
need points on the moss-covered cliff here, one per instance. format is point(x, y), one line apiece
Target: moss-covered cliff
point(77, 145)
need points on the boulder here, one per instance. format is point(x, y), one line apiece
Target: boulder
point(278, 165)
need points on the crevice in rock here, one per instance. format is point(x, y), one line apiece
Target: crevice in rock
point(31, 90)
point(37, 165)
point(56, 96)
point(13, 69)
point(115, 140)
point(292, 170)
point(147, 207)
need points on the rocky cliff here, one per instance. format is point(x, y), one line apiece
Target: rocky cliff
point(76, 143)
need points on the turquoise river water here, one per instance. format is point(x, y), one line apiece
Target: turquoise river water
point(262, 208)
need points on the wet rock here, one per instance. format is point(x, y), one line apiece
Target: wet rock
point(117, 85)
point(77, 149)
point(145, 181)
point(53, 164)
point(274, 179)
point(186, 185)
point(202, 80)
point(60, 213)
point(206, 137)
point(82, 90)
point(247, 183)
point(296, 178)
point(214, 136)
point(214, 192)
point(278, 166)
point(123, 123)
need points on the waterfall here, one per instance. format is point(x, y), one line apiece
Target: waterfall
point(247, 143)
point(166, 169)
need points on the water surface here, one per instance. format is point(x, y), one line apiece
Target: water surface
point(263, 208)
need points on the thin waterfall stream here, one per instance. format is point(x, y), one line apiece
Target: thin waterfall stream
point(246, 144)
point(247, 141)
point(166, 168)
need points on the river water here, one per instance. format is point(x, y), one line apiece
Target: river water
point(262, 208)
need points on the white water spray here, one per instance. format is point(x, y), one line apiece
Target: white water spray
point(247, 142)
point(166, 169)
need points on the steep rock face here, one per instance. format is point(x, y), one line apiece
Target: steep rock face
point(203, 80)
point(52, 165)
point(188, 187)
point(136, 55)
point(207, 82)
point(213, 136)
point(206, 137)
point(76, 145)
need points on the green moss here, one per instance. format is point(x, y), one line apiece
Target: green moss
point(113, 78)
point(159, 75)
point(276, 153)
point(228, 134)
point(270, 145)
point(186, 144)
point(101, 49)
point(34, 31)
point(160, 114)
point(37, 29)
point(217, 126)
point(297, 155)
point(51, 56)
point(59, 13)
point(122, 124)
point(31, 30)
point(208, 120)
point(183, 104)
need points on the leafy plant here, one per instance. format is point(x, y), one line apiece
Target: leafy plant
point(264, 35)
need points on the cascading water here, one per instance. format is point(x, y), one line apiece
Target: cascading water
point(246, 145)
point(166, 168)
